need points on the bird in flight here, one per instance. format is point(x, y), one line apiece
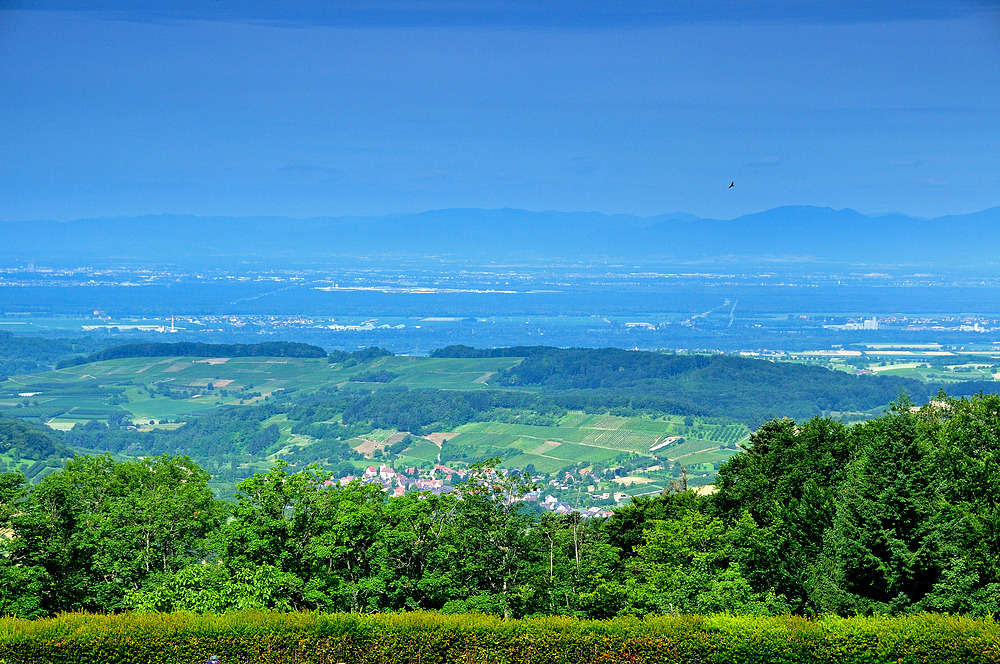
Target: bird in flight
point(732, 184)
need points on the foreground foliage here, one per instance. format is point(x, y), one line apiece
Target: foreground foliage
point(279, 638)
point(900, 514)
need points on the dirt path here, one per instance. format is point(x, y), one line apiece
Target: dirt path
point(707, 449)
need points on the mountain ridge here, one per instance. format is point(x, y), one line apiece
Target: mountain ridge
point(786, 233)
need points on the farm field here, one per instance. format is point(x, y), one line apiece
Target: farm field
point(176, 388)
point(948, 369)
point(152, 393)
point(585, 439)
point(927, 362)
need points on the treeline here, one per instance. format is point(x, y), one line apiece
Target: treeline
point(219, 433)
point(895, 515)
point(424, 411)
point(462, 351)
point(352, 358)
point(198, 349)
point(380, 376)
point(226, 439)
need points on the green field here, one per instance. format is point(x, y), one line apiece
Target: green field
point(951, 368)
point(585, 439)
point(163, 392)
point(205, 383)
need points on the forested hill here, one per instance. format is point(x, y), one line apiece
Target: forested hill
point(749, 390)
point(196, 349)
point(27, 354)
point(20, 439)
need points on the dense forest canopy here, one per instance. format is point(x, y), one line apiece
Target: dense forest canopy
point(893, 515)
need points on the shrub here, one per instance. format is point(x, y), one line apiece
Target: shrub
point(299, 638)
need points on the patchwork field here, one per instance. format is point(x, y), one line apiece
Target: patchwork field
point(585, 439)
point(164, 392)
point(177, 388)
point(927, 362)
point(953, 369)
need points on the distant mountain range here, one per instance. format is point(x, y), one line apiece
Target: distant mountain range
point(782, 235)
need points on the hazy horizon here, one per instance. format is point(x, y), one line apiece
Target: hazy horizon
point(412, 213)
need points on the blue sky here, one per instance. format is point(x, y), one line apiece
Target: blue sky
point(381, 107)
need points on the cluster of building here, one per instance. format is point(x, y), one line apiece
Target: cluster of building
point(553, 504)
point(363, 327)
point(865, 324)
point(439, 481)
point(398, 482)
point(922, 324)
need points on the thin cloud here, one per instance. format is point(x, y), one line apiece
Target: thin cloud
point(517, 13)
point(435, 175)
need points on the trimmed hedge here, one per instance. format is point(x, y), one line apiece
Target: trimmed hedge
point(428, 638)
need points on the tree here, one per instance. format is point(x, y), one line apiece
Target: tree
point(574, 568)
point(418, 552)
point(688, 565)
point(100, 529)
point(491, 526)
point(626, 528)
point(320, 539)
point(786, 483)
point(886, 550)
point(965, 440)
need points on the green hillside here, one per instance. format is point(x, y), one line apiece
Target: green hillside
point(637, 419)
point(29, 449)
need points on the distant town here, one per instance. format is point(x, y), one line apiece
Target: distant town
point(440, 480)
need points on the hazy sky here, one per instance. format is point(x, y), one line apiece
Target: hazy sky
point(379, 107)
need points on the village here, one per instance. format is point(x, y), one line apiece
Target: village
point(441, 480)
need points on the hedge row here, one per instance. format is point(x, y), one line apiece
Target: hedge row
point(427, 638)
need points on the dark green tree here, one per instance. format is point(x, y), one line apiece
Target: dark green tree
point(885, 543)
point(101, 529)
